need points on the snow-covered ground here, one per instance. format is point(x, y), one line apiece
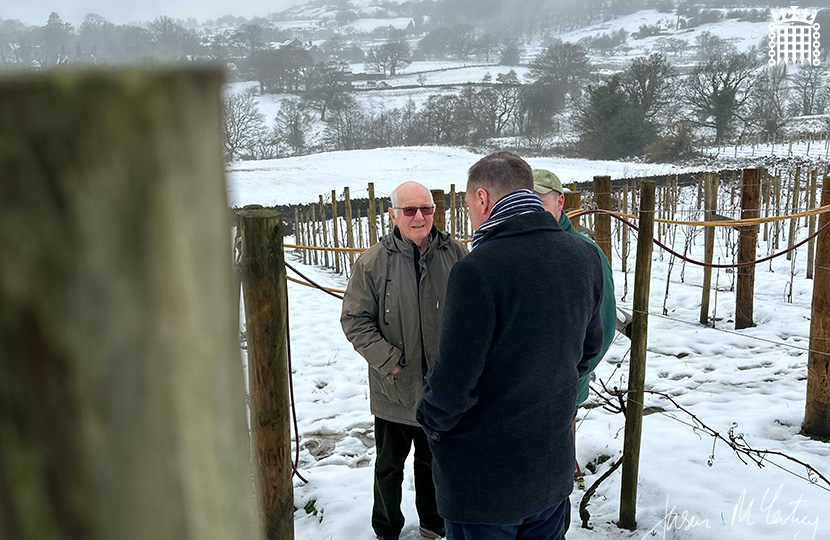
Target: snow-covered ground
point(754, 378)
point(303, 179)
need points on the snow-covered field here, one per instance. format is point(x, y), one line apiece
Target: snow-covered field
point(303, 179)
point(754, 378)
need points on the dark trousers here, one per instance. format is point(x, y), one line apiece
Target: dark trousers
point(393, 441)
point(550, 524)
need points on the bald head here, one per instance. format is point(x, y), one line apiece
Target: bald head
point(407, 190)
point(416, 198)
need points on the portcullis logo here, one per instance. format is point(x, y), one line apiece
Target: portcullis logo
point(793, 37)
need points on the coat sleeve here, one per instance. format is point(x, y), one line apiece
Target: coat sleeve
point(594, 335)
point(359, 319)
point(466, 333)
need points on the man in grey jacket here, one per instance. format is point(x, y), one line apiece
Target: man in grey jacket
point(391, 314)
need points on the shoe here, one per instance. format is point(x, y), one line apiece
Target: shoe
point(431, 534)
point(396, 537)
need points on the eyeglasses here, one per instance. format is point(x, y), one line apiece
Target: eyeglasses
point(410, 211)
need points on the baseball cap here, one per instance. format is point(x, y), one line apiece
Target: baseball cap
point(545, 182)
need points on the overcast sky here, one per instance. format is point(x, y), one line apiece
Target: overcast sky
point(36, 12)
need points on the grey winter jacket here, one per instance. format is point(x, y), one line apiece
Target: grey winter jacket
point(391, 320)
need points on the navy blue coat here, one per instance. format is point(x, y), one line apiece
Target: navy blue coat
point(520, 324)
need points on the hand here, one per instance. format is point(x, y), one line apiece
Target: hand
point(395, 369)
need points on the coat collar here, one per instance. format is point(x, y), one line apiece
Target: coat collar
point(392, 243)
point(525, 223)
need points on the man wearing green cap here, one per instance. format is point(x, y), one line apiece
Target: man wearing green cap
point(548, 187)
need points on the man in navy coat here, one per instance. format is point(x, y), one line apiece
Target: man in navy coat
point(521, 321)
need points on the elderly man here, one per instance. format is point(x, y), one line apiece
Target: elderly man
point(498, 406)
point(549, 189)
point(391, 314)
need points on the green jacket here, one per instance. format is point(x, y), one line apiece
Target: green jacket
point(608, 309)
point(389, 319)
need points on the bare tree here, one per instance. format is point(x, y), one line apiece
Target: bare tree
point(389, 57)
point(293, 126)
point(243, 126)
point(807, 82)
point(718, 89)
point(767, 99)
point(649, 84)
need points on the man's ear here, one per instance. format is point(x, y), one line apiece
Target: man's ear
point(392, 216)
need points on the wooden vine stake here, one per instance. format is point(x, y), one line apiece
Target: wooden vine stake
point(794, 222)
point(440, 209)
point(122, 409)
point(811, 245)
point(710, 195)
point(266, 304)
point(371, 216)
point(572, 201)
point(817, 413)
point(747, 251)
point(453, 208)
point(324, 222)
point(637, 372)
point(602, 223)
point(334, 231)
point(349, 227)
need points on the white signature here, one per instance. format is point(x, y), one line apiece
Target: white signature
point(676, 521)
point(743, 512)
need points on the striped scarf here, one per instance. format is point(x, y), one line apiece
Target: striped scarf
point(515, 203)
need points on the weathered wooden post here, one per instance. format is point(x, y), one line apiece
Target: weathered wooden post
point(573, 199)
point(453, 216)
point(359, 229)
point(313, 228)
point(602, 223)
point(382, 215)
point(637, 370)
point(349, 227)
point(817, 413)
point(710, 194)
point(794, 222)
point(325, 231)
point(122, 405)
point(777, 223)
point(263, 282)
point(371, 216)
point(624, 227)
point(440, 208)
point(811, 245)
point(334, 231)
point(747, 243)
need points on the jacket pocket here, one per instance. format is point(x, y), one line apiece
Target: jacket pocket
point(397, 388)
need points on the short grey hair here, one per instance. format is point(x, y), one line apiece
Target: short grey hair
point(394, 199)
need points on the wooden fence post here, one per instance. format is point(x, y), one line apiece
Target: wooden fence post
point(382, 215)
point(371, 216)
point(325, 231)
point(637, 372)
point(440, 208)
point(334, 231)
point(573, 199)
point(359, 229)
point(313, 229)
point(817, 412)
point(602, 196)
point(811, 245)
point(453, 217)
point(349, 227)
point(266, 305)
point(777, 223)
point(710, 194)
point(123, 408)
point(747, 249)
point(794, 222)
